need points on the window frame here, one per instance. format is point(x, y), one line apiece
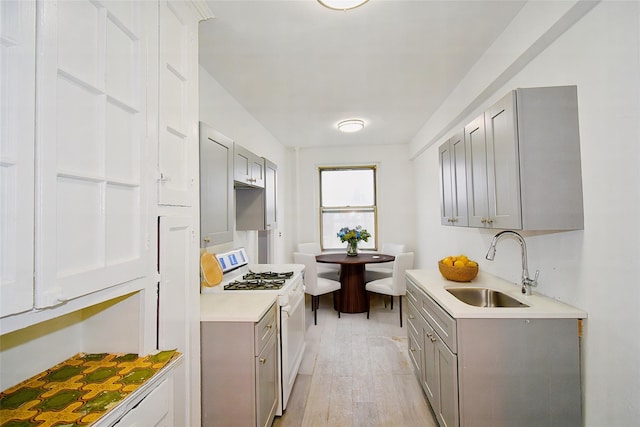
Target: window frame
point(332, 209)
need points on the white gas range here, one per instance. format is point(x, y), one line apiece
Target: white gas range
point(285, 280)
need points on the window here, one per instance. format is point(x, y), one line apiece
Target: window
point(347, 199)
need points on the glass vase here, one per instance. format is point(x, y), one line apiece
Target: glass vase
point(352, 248)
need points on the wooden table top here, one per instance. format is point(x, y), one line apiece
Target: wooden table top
point(361, 258)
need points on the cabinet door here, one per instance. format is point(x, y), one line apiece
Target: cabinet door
point(446, 370)
point(430, 375)
point(503, 172)
point(270, 195)
point(453, 182)
point(17, 103)
point(242, 164)
point(216, 187)
point(476, 171)
point(177, 165)
point(175, 305)
point(266, 383)
point(90, 145)
point(446, 184)
point(248, 168)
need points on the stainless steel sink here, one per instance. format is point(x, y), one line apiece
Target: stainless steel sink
point(483, 297)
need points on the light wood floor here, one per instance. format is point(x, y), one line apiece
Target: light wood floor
point(356, 372)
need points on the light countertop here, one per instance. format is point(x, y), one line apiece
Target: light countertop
point(540, 306)
point(235, 307)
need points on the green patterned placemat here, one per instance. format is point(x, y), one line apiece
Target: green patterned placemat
point(78, 391)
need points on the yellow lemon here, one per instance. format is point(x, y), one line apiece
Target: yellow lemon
point(459, 264)
point(448, 261)
point(472, 264)
point(463, 258)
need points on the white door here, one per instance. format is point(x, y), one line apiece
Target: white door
point(90, 140)
point(17, 107)
point(178, 77)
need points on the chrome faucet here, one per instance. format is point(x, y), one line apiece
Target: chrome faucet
point(527, 282)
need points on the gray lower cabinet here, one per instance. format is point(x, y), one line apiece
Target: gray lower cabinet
point(495, 371)
point(239, 372)
point(436, 364)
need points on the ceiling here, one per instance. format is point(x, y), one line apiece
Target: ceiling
point(300, 68)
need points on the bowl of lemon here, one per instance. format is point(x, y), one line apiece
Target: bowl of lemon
point(458, 268)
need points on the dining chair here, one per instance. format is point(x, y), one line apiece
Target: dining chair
point(395, 285)
point(314, 285)
point(385, 269)
point(327, 271)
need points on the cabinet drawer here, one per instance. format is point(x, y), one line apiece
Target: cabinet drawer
point(265, 328)
point(413, 295)
point(413, 318)
point(154, 410)
point(440, 321)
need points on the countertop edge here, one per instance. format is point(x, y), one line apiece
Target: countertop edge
point(540, 306)
point(235, 307)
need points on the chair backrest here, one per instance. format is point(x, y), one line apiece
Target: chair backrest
point(401, 264)
point(310, 274)
point(310, 248)
point(392, 248)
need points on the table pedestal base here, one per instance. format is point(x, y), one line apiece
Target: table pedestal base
point(352, 298)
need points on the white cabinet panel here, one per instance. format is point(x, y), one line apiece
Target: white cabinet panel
point(17, 114)
point(177, 158)
point(175, 242)
point(123, 148)
point(90, 136)
point(178, 286)
point(79, 38)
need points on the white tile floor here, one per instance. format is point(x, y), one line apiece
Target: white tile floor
point(356, 372)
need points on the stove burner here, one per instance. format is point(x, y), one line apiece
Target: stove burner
point(267, 275)
point(254, 285)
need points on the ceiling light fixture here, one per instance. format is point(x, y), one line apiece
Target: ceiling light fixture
point(351, 125)
point(342, 4)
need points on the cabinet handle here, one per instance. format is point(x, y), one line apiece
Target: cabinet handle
point(489, 221)
point(411, 316)
point(269, 326)
point(483, 220)
point(431, 337)
point(262, 360)
point(412, 349)
point(207, 239)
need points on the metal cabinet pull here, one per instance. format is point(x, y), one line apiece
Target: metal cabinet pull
point(262, 360)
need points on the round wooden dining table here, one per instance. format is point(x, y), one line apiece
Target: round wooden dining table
point(352, 297)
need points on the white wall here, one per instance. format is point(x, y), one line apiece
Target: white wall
point(597, 268)
point(396, 213)
point(221, 111)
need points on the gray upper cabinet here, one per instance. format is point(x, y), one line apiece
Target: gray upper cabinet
point(270, 195)
point(216, 187)
point(453, 185)
point(523, 166)
point(248, 168)
point(256, 208)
